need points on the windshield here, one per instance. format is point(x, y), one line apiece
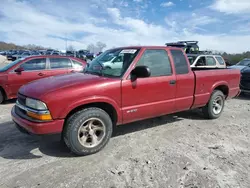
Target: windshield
point(103, 66)
point(244, 62)
point(10, 65)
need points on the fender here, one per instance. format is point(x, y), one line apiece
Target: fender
point(93, 99)
point(216, 84)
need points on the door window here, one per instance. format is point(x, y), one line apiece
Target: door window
point(180, 62)
point(210, 61)
point(201, 61)
point(157, 61)
point(34, 64)
point(60, 63)
point(220, 60)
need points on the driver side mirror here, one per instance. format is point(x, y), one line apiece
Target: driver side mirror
point(140, 72)
point(19, 70)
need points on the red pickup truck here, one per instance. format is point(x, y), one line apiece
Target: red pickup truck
point(25, 70)
point(149, 82)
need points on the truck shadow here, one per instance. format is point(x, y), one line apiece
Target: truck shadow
point(154, 122)
point(11, 101)
point(16, 145)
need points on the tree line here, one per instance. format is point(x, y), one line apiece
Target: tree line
point(100, 46)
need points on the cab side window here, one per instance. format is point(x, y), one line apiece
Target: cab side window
point(220, 60)
point(210, 61)
point(180, 62)
point(34, 64)
point(60, 63)
point(201, 61)
point(157, 61)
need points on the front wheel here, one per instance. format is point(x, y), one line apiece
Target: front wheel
point(88, 131)
point(215, 105)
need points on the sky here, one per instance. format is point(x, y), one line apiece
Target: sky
point(222, 25)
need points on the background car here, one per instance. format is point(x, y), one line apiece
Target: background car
point(245, 80)
point(25, 70)
point(242, 64)
point(206, 61)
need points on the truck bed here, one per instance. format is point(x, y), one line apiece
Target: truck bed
point(206, 80)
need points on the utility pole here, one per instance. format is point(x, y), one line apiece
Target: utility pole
point(66, 43)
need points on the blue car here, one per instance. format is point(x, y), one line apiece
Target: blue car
point(242, 64)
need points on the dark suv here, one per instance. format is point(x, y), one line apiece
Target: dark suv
point(245, 80)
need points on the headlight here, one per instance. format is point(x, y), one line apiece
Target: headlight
point(35, 104)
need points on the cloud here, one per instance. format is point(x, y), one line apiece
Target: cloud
point(84, 22)
point(138, 1)
point(167, 4)
point(178, 21)
point(232, 6)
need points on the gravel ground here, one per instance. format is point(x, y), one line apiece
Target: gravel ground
point(180, 150)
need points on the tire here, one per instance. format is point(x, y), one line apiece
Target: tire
point(1, 96)
point(79, 137)
point(209, 110)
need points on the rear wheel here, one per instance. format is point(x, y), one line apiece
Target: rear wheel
point(215, 105)
point(88, 131)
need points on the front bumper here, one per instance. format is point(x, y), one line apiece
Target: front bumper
point(39, 128)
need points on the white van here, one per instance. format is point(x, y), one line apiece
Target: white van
point(206, 61)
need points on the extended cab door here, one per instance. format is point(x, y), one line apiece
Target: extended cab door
point(185, 80)
point(33, 69)
point(152, 96)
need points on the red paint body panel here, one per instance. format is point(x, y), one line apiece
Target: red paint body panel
point(11, 81)
point(132, 101)
point(207, 81)
point(150, 97)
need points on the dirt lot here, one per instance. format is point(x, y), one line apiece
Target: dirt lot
point(180, 150)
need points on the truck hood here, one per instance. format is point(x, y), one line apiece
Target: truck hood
point(41, 87)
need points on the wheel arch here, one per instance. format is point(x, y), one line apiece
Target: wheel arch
point(4, 93)
point(224, 89)
point(107, 107)
point(222, 86)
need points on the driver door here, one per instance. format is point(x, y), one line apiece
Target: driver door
point(33, 69)
point(152, 96)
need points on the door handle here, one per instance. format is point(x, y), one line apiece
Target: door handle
point(172, 82)
point(41, 74)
